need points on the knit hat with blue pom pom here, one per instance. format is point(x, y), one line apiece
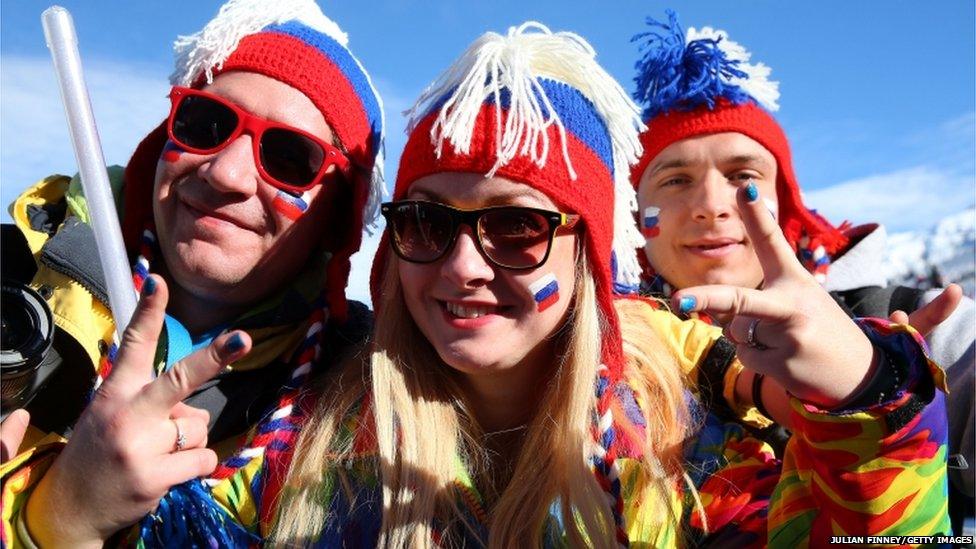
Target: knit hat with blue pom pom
point(700, 83)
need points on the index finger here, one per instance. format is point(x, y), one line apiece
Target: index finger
point(185, 376)
point(776, 256)
point(133, 364)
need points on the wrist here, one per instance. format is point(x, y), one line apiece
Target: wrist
point(46, 525)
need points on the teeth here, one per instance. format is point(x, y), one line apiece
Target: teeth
point(467, 312)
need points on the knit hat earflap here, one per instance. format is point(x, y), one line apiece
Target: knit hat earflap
point(700, 83)
point(534, 106)
point(293, 42)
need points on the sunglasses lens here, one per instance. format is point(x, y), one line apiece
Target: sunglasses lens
point(291, 157)
point(202, 123)
point(515, 237)
point(421, 232)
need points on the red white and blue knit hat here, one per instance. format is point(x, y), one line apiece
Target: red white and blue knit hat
point(535, 107)
point(699, 83)
point(293, 42)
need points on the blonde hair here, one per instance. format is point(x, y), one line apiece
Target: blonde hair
point(422, 430)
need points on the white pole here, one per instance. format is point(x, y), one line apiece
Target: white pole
point(59, 32)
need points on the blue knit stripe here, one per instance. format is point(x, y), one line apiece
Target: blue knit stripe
point(343, 59)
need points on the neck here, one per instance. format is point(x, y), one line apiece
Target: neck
point(197, 314)
point(507, 399)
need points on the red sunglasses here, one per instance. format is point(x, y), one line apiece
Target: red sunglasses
point(286, 157)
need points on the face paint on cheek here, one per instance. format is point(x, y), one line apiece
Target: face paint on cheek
point(545, 291)
point(290, 205)
point(172, 152)
point(772, 206)
point(649, 222)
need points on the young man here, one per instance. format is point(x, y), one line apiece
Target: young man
point(710, 132)
point(248, 202)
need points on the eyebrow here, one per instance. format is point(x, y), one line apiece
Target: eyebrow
point(682, 163)
point(745, 159)
point(669, 164)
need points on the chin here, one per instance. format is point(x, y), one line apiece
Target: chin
point(470, 359)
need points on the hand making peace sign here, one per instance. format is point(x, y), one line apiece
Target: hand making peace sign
point(135, 440)
point(791, 329)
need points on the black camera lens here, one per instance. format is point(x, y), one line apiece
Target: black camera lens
point(25, 339)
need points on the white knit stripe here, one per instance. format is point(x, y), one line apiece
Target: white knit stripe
point(284, 411)
point(200, 53)
point(302, 370)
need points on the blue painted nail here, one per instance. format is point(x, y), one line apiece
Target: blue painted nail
point(752, 192)
point(149, 286)
point(687, 303)
point(234, 344)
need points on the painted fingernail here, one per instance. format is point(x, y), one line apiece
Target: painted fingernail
point(234, 344)
point(687, 303)
point(149, 287)
point(752, 192)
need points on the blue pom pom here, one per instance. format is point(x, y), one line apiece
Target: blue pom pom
point(674, 75)
point(188, 516)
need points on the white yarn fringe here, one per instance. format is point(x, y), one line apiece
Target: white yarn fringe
point(207, 49)
point(517, 62)
point(757, 82)
point(202, 52)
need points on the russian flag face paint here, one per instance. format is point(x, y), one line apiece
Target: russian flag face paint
point(172, 152)
point(649, 222)
point(289, 205)
point(545, 291)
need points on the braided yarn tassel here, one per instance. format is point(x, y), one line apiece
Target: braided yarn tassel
point(188, 514)
point(140, 272)
point(605, 465)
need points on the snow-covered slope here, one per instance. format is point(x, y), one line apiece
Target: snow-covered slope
point(947, 249)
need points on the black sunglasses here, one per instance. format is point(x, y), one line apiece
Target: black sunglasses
point(289, 158)
point(511, 237)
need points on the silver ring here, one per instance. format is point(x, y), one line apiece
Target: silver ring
point(751, 337)
point(180, 437)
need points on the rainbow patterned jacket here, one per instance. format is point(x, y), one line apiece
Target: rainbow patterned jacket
point(879, 470)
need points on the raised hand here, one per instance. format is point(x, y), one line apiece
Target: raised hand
point(926, 318)
point(791, 329)
point(135, 440)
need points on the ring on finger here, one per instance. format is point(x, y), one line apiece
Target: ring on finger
point(180, 437)
point(751, 340)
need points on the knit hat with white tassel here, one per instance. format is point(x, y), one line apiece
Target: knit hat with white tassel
point(293, 42)
point(534, 106)
point(700, 83)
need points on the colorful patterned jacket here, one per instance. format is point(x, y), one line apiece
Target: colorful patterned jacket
point(879, 470)
point(50, 217)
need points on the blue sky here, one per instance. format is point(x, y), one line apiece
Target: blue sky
point(878, 98)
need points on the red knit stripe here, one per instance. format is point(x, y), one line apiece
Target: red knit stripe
point(753, 121)
point(292, 61)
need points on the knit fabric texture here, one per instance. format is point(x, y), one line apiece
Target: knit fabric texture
point(313, 60)
point(586, 136)
point(701, 83)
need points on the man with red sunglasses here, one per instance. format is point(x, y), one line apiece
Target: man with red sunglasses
point(246, 204)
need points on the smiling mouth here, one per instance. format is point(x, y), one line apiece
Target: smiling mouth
point(199, 212)
point(469, 311)
point(714, 246)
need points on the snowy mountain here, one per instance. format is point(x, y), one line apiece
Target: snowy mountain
point(947, 251)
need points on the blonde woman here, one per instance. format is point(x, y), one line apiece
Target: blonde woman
point(508, 399)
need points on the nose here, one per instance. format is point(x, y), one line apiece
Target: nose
point(464, 265)
point(715, 199)
point(232, 169)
